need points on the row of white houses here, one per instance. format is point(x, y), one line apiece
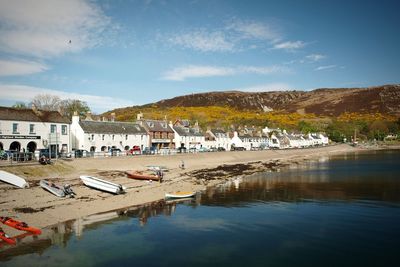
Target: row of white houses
point(30, 129)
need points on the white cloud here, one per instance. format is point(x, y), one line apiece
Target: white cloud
point(315, 57)
point(289, 45)
point(25, 93)
point(254, 30)
point(20, 67)
point(325, 67)
point(193, 71)
point(233, 36)
point(43, 28)
point(203, 41)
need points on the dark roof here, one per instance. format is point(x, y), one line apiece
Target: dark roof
point(108, 127)
point(157, 126)
point(184, 131)
point(215, 131)
point(16, 114)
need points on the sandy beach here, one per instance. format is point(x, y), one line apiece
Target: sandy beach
point(40, 208)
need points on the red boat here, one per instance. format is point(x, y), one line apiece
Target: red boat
point(20, 225)
point(142, 176)
point(6, 238)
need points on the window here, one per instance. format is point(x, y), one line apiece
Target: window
point(64, 129)
point(102, 137)
point(53, 128)
point(126, 137)
point(15, 128)
point(31, 128)
point(92, 137)
point(113, 137)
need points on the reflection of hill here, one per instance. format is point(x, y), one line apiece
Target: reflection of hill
point(294, 187)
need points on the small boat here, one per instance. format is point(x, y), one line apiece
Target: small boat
point(142, 176)
point(13, 179)
point(180, 194)
point(6, 238)
point(103, 185)
point(156, 168)
point(20, 225)
point(60, 191)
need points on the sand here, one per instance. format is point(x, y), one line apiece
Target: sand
point(39, 208)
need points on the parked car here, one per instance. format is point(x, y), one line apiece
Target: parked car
point(46, 153)
point(149, 150)
point(221, 148)
point(182, 149)
point(81, 153)
point(203, 149)
point(6, 154)
point(135, 150)
point(115, 151)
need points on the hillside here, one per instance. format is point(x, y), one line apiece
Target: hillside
point(327, 102)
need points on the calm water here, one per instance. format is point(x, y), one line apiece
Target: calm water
point(340, 211)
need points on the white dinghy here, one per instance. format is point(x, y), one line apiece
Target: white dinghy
point(13, 179)
point(103, 185)
point(60, 191)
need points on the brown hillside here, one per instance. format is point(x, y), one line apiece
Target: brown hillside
point(321, 102)
point(332, 102)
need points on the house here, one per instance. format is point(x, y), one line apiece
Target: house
point(101, 136)
point(217, 138)
point(278, 140)
point(26, 130)
point(160, 133)
point(186, 136)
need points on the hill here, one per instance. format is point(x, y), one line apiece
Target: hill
point(327, 102)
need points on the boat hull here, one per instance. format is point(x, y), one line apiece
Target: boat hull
point(52, 188)
point(13, 179)
point(180, 195)
point(102, 185)
point(141, 176)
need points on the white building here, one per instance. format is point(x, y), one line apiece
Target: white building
point(31, 129)
point(216, 138)
point(101, 136)
point(186, 136)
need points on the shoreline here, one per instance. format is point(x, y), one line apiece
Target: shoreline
point(41, 209)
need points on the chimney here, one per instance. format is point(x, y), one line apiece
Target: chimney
point(88, 116)
point(75, 118)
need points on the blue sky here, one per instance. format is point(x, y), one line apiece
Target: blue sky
point(125, 53)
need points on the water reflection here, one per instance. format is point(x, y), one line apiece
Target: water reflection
point(353, 178)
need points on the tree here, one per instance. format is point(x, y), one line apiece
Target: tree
point(19, 105)
point(46, 102)
point(69, 106)
point(66, 107)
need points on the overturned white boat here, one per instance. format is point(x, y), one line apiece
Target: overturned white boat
point(103, 185)
point(60, 191)
point(13, 179)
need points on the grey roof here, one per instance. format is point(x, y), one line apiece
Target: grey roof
point(16, 114)
point(157, 126)
point(108, 127)
point(184, 131)
point(218, 131)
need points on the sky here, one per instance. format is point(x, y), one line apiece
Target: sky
point(117, 53)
